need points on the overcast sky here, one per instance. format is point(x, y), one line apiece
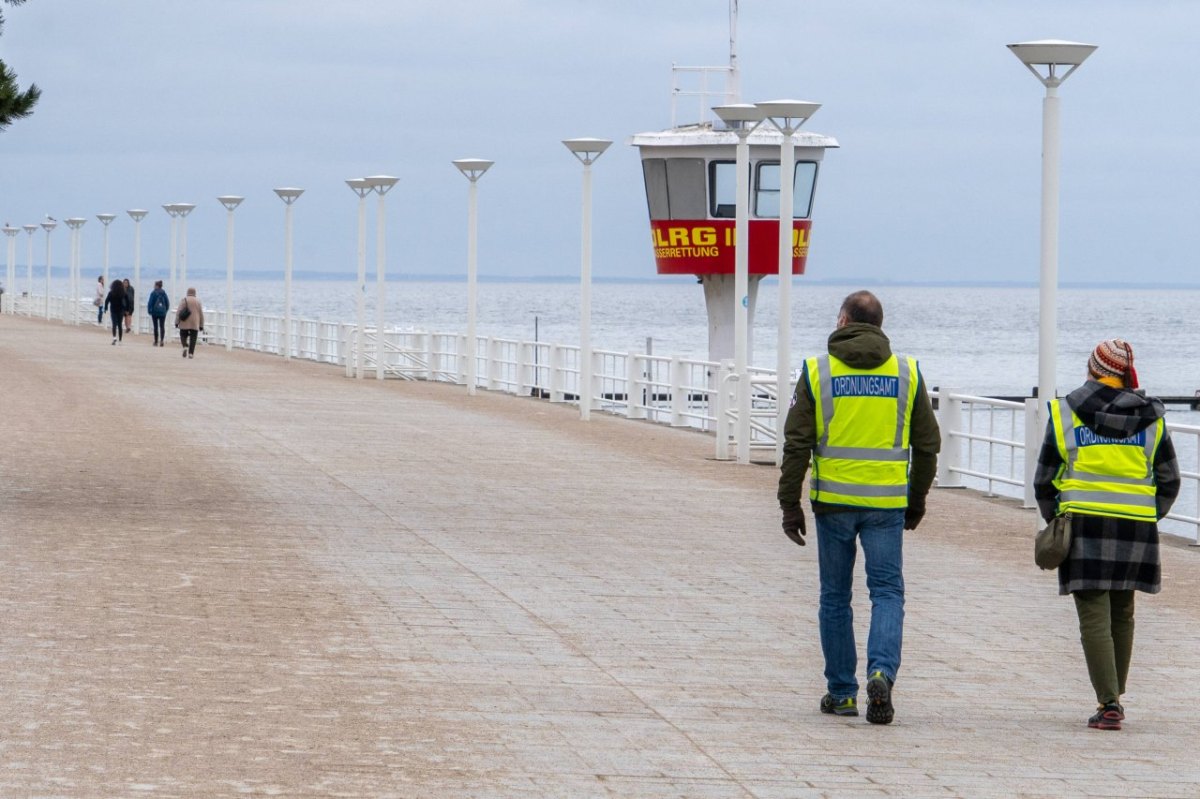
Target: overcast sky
point(938, 175)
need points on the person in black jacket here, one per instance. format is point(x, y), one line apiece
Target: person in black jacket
point(129, 306)
point(114, 303)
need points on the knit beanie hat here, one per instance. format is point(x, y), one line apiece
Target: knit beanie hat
point(1113, 359)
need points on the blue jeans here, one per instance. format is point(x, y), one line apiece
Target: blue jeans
point(882, 536)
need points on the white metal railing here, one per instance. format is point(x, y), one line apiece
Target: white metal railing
point(994, 444)
point(988, 443)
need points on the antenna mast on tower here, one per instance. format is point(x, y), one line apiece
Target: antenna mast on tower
point(734, 89)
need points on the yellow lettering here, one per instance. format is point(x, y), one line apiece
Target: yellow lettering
point(679, 236)
point(799, 237)
point(704, 236)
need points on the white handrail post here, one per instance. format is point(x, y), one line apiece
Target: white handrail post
point(633, 375)
point(556, 373)
point(950, 421)
point(1033, 442)
point(678, 398)
point(430, 357)
point(725, 373)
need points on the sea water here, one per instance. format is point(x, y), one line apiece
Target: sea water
point(981, 340)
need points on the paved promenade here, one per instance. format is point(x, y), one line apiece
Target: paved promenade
point(233, 576)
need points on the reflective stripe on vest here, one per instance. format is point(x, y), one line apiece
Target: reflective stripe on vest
point(1104, 476)
point(863, 418)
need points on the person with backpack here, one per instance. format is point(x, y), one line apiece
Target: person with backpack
point(157, 307)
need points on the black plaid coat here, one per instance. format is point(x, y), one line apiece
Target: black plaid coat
point(1107, 553)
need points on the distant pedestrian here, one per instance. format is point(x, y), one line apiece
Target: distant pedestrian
point(114, 302)
point(129, 306)
point(158, 307)
point(864, 417)
point(1107, 459)
point(101, 293)
point(189, 327)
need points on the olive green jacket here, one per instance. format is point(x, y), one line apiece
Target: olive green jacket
point(860, 346)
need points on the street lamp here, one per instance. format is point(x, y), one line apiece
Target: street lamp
point(587, 150)
point(289, 196)
point(1054, 55)
point(75, 223)
point(137, 215)
point(381, 184)
point(48, 226)
point(29, 229)
point(742, 119)
point(230, 201)
point(11, 273)
point(360, 187)
point(473, 169)
point(787, 116)
point(183, 209)
point(106, 220)
point(172, 210)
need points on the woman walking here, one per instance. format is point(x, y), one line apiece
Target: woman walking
point(99, 299)
point(129, 306)
point(157, 307)
point(189, 318)
point(1107, 459)
point(115, 304)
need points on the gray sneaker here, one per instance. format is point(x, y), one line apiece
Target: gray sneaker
point(839, 707)
point(879, 696)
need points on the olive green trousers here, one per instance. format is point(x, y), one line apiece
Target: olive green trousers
point(1106, 632)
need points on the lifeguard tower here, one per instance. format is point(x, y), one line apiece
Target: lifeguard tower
point(690, 174)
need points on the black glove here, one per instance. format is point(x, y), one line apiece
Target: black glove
point(793, 524)
point(914, 513)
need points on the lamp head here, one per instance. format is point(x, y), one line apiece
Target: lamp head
point(11, 231)
point(183, 209)
point(739, 116)
point(1054, 55)
point(789, 114)
point(106, 219)
point(473, 168)
point(288, 194)
point(381, 183)
point(230, 201)
point(359, 186)
point(75, 222)
point(137, 214)
point(49, 225)
point(587, 149)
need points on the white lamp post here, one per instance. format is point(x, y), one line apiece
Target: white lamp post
point(183, 209)
point(48, 226)
point(787, 116)
point(11, 272)
point(1060, 59)
point(230, 201)
point(473, 169)
point(74, 223)
point(381, 184)
point(360, 187)
point(106, 220)
point(29, 229)
point(587, 150)
point(742, 119)
point(137, 215)
point(289, 196)
point(172, 210)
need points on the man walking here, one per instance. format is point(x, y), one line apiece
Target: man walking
point(859, 413)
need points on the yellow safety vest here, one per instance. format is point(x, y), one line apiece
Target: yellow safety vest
point(863, 419)
point(1104, 476)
